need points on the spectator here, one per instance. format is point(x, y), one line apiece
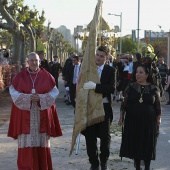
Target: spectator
point(163, 71)
point(168, 87)
point(43, 61)
point(73, 72)
point(55, 69)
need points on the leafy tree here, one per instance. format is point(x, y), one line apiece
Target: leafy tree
point(161, 46)
point(40, 46)
point(6, 39)
point(8, 22)
point(26, 29)
point(23, 24)
point(128, 46)
point(32, 23)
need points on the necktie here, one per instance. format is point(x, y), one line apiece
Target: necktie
point(99, 72)
point(75, 74)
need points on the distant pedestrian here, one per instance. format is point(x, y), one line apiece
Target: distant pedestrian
point(43, 62)
point(168, 87)
point(72, 78)
point(163, 70)
point(138, 58)
point(68, 63)
point(55, 69)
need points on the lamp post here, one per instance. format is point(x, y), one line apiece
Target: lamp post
point(138, 25)
point(120, 29)
point(168, 57)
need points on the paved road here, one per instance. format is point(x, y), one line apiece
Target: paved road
point(163, 147)
point(60, 147)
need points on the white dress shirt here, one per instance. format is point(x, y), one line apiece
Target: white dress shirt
point(100, 69)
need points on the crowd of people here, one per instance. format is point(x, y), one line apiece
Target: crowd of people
point(139, 85)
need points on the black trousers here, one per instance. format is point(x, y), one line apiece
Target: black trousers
point(169, 93)
point(56, 81)
point(102, 131)
point(72, 90)
point(163, 82)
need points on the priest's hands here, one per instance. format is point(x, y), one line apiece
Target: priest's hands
point(34, 98)
point(89, 85)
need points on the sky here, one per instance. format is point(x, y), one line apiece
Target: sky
point(153, 14)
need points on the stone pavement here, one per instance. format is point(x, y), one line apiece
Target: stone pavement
point(60, 147)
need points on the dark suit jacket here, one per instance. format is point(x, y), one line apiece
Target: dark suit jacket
point(108, 82)
point(70, 74)
point(44, 64)
point(55, 69)
point(67, 65)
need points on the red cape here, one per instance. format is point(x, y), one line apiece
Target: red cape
point(20, 119)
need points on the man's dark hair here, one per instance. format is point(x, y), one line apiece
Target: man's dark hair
point(161, 57)
point(55, 56)
point(76, 57)
point(40, 52)
point(104, 49)
point(130, 59)
point(138, 56)
point(5, 53)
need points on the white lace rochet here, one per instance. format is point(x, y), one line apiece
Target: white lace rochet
point(34, 139)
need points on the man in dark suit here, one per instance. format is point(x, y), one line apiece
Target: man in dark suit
point(73, 72)
point(43, 61)
point(163, 71)
point(101, 130)
point(55, 69)
point(68, 63)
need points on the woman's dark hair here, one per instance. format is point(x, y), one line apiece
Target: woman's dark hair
point(147, 71)
point(150, 68)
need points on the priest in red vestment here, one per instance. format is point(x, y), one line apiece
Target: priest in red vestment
point(33, 115)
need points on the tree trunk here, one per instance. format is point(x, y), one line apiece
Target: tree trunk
point(16, 54)
point(23, 55)
point(32, 38)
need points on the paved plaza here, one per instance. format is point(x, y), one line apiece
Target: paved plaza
point(60, 147)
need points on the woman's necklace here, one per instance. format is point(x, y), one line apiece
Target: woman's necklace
point(141, 99)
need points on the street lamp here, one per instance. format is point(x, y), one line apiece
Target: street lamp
point(138, 25)
point(120, 29)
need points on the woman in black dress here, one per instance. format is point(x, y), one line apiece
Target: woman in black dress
point(142, 118)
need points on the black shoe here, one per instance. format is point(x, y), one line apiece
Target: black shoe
point(168, 103)
point(104, 167)
point(94, 168)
